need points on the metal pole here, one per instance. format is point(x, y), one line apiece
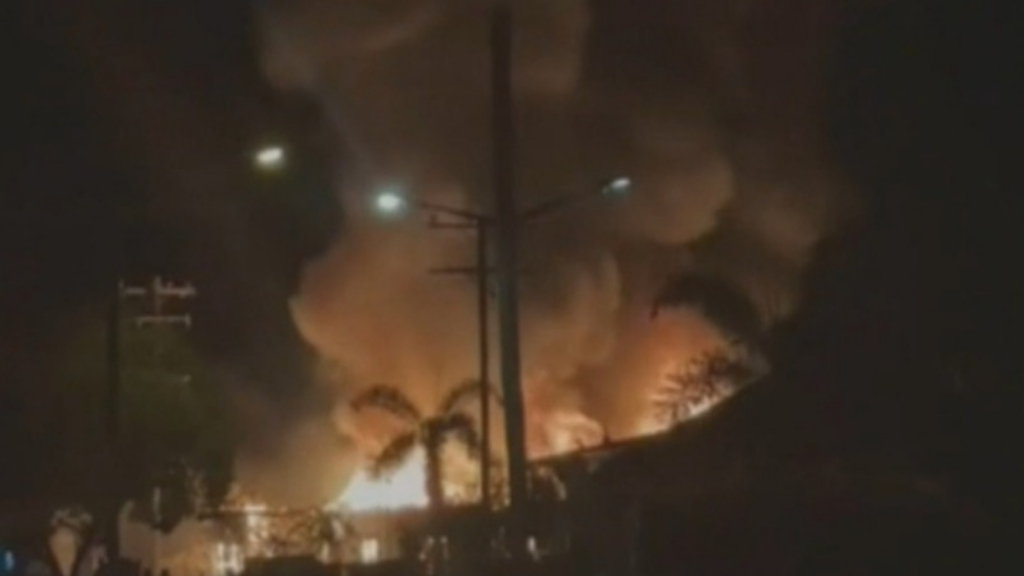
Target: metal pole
point(485, 387)
point(113, 414)
point(113, 411)
point(157, 551)
point(481, 272)
point(508, 304)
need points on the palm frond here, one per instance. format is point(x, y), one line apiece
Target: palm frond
point(728, 365)
point(466, 391)
point(395, 453)
point(461, 428)
point(389, 399)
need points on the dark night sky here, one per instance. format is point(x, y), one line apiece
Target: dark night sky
point(150, 111)
point(127, 135)
point(132, 125)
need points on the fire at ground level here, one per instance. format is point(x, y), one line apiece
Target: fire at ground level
point(366, 529)
point(626, 508)
point(683, 390)
point(717, 495)
point(384, 518)
point(630, 506)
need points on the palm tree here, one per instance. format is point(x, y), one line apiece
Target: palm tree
point(430, 432)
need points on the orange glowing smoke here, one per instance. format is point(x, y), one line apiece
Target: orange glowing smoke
point(561, 431)
point(555, 423)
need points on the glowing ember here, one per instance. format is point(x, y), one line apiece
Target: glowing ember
point(401, 489)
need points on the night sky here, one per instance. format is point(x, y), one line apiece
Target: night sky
point(127, 131)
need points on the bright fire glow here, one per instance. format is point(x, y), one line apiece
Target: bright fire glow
point(257, 528)
point(403, 488)
point(671, 402)
point(228, 559)
point(369, 550)
point(551, 431)
point(564, 431)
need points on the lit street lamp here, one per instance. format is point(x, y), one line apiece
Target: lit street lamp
point(270, 158)
point(618, 187)
point(390, 203)
point(502, 228)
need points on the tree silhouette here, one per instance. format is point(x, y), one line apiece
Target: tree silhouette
point(702, 382)
point(428, 432)
point(175, 445)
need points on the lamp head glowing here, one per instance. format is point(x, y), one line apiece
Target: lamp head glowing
point(618, 187)
point(270, 158)
point(390, 203)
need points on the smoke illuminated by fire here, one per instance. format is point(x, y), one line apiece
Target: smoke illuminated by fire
point(556, 422)
point(550, 433)
point(728, 185)
point(561, 431)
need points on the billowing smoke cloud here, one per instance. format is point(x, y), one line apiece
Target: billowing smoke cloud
point(708, 105)
point(309, 462)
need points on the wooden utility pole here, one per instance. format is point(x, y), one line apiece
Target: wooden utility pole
point(482, 281)
point(113, 403)
point(506, 228)
point(482, 273)
point(113, 414)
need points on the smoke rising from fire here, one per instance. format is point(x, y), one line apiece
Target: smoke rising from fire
point(702, 103)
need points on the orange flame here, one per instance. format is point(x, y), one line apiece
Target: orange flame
point(402, 489)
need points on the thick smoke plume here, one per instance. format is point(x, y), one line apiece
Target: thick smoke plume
point(709, 105)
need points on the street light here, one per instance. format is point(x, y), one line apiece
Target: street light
point(270, 158)
point(618, 187)
point(391, 203)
